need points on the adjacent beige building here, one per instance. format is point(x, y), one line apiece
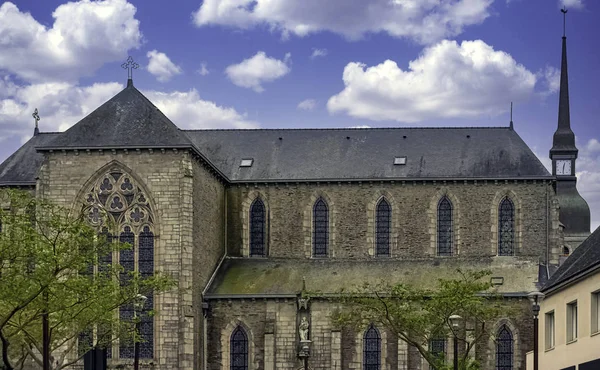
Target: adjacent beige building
point(569, 335)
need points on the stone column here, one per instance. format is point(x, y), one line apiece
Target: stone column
point(336, 350)
point(269, 351)
point(402, 355)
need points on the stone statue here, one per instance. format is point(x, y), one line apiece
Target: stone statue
point(303, 328)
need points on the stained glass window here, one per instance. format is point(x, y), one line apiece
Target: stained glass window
point(506, 221)
point(437, 347)
point(238, 350)
point(444, 228)
point(257, 228)
point(118, 207)
point(320, 228)
point(372, 349)
point(504, 349)
point(146, 269)
point(382, 228)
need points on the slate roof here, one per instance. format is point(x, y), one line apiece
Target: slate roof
point(128, 120)
point(367, 154)
point(584, 259)
point(21, 168)
point(273, 276)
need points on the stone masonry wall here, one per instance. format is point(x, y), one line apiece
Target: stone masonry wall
point(165, 175)
point(272, 333)
point(208, 243)
point(414, 217)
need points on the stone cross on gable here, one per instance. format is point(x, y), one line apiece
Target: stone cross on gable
point(130, 65)
point(36, 117)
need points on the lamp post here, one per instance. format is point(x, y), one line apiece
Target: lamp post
point(138, 305)
point(536, 298)
point(454, 320)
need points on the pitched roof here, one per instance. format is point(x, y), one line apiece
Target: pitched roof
point(21, 168)
point(585, 258)
point(128, 120)
point(273, 276)
point(367, 154)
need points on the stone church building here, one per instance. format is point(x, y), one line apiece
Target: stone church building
point(243, 218)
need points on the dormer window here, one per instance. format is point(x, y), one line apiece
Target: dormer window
point(399, 160)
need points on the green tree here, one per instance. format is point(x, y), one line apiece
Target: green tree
point(52, 262)
point(417, 315)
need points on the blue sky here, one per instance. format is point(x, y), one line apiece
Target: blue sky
point(310, 63)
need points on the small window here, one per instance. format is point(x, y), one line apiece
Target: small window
point(566, 252)
point(399, 160)
point(246, 162)
point(571, 321)
point(549, 322)
point(437, 348)
point(596, 312)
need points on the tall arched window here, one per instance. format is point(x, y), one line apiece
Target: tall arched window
point(257, 228)
point(372, 349)
point(504, 349)
point(238, 350)
point(506, 233)
point(444, 228)
point(383, 218)
point(120, 209)
point(320, 228)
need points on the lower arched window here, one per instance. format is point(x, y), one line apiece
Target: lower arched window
point(504, 349)
point(238, 350)
point(372, 349)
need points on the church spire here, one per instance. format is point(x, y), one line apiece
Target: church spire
point(564, 138)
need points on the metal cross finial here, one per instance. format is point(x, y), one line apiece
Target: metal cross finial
point(130, 65)
point(36, 117)
point(564, 11)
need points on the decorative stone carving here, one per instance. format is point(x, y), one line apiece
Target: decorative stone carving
point(303, 329)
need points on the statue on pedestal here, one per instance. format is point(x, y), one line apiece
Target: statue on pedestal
point(303, 329)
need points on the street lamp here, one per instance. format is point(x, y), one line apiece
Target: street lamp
point(454, 321)
point(536, 299)
point(138, 305)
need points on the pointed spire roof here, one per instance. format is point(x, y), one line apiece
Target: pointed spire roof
point(564, 138)
point(128, 120)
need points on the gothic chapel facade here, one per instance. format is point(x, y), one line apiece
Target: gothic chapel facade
point(241, 217)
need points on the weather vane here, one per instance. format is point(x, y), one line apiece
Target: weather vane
point(564, 11)
point(130, 65)
point(36, 117)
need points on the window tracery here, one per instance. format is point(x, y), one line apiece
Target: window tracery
point(504, 349)
point(506, 221)
point(238, 350)
point(383, 228)
point(257, 228)
point(444, 228)
point(320, 228)
point(119, 208)
point(372, 349)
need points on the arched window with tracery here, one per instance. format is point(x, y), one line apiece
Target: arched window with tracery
point(444, 228)
point(383, 220)
point(257, 228)
point(119, 208)
point(506, 233)
point(371, 349)
point(504, 349)
point(320, 228)
point(238, 350)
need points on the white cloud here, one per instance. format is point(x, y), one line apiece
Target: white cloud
point(424, 21)
point(61, 105)
point(83, 37)
point(447, 80)
point(308, 104)
point(253, 72)
point(588, 177)
point(550, 77)
point(161, 66)
point(577, 4)
point(203, 71)
point(318, 53)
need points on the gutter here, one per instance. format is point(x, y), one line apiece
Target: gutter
point(325, 295)
point(571, 280)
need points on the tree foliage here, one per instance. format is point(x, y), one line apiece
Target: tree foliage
point(53, 262)
point(417, 315)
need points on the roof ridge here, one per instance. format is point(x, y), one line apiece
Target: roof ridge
point(351, 128)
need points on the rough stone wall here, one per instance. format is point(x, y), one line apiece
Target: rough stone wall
point(208, 242)
point(414, 217)
point(271, 329)
point(166, 175)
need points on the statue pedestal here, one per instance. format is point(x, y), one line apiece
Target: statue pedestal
point(304, 348)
